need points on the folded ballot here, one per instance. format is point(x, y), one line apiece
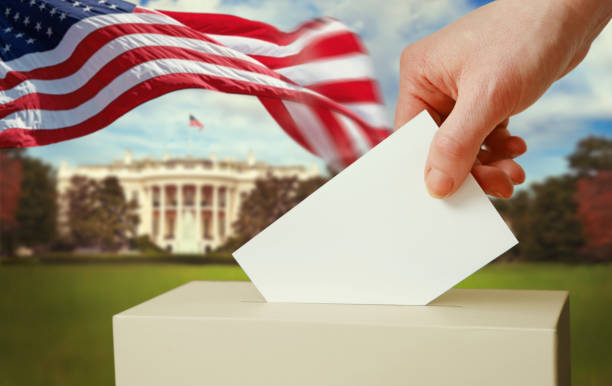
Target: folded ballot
point(373, 235)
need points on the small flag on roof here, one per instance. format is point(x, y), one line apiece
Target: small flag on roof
point(193, 121)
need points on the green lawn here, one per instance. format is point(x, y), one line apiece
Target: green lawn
point(55, 321)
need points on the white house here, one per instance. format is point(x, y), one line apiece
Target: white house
point(186, 205)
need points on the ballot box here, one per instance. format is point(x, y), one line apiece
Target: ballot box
point(224, 333)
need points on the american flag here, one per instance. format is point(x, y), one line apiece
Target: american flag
point(71, 67)
point(193, 122)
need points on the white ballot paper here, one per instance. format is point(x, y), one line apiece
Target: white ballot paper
point(373, 235)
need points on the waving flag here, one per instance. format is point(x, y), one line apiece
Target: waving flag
point(193, 122)
point(70, 67)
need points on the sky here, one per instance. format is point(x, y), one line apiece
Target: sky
point(576, 106)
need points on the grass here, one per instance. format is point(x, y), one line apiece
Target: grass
point(55, 320)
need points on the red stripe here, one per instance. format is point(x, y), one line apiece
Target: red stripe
point(236, 26)
point(342, 143)
point(145, 10)
point(90, 45)
point(350, 91)
point(115, 68)
point(344, 43)
point(279, 112)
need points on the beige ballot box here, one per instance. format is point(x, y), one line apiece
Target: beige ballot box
point(224, 333)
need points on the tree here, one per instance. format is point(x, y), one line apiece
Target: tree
point(555, 229)
point(270, 199)
point(517, 213)
point(592, 154)
point(99, 215)
point(10, 191)
point(594, 196)
point(37, 212)
point(28, 201)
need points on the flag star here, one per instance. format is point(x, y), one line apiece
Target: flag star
point(87, 9)
point(7, 12)
point(8, 29)
point(19, 35)
point(32, 2)
point(62, 16)
point(16, 17)
point(112, 6)
point(38, 26)
point(26, 21)
point(41, 6)
point(53, 11)
point(101, 1)
point(7, 48)
point(30, 41)
point(76, 3)
point(49, 32)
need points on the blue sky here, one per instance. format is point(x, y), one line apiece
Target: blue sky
point(576, 106)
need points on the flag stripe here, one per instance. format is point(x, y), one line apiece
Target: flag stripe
point(238, 28)
point(279, 112)
point(342, 142)
point(349, 91)
point(372, 113)
point(327, 47)
point(349, 67)
point(310, 124)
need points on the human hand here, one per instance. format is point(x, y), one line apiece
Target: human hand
point(478, 71)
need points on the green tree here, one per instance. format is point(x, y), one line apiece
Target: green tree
point(517, 213)
point(37, 208)
point(555, 229)
point(591, 155)
point(99, 215)
point(270, 199)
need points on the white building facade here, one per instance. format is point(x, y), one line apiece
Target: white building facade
point(185, 205)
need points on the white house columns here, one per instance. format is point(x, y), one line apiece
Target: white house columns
point(172, 203)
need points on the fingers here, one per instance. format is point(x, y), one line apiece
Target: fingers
point(513, 170)
point(501, 142)
point(456, 145)
point(493, 180)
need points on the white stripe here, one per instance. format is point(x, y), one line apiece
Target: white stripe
point(54, 119)
point(105, 55)
point(360, 142)
point(373, 113)
point(354, 66)
point(75, 35)
point(252, 46)
point(313, 131)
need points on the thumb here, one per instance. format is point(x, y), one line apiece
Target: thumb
point(456, 144)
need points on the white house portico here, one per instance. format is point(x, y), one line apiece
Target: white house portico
point(185, 205)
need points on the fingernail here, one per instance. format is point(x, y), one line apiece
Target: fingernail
point(438, 183)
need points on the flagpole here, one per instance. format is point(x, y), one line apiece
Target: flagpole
point(189, 142)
